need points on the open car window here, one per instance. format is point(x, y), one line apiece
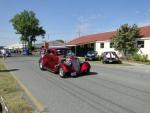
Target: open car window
point(114, 55)
point(61, 51)
point(110, 55)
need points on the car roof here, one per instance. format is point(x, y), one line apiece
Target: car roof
point(109, 52)
point(56, 48)
point(91, 51)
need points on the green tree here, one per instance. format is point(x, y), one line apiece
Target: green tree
point(27, 25)
point(24, 40)
point(125, 39)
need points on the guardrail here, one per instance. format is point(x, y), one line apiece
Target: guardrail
point(3, 106)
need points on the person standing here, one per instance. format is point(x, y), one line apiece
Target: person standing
point(3, 53)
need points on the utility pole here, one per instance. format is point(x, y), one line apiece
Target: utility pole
point(79, 35)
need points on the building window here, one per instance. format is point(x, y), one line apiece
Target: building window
point(101, 45)
point(140, 44)
point(111, 45)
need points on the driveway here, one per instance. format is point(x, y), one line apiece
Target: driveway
point(108, 89)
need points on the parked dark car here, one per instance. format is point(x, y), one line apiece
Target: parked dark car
point(62, 61)
point(91, 55)
point(110, 57)
point(8, 53)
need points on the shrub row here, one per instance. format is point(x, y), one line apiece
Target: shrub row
point(138, 57)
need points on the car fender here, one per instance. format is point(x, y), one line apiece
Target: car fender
point(85, 66)
point(64, 67)
point(43, 60)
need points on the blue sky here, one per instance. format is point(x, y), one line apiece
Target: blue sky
point(62, 19)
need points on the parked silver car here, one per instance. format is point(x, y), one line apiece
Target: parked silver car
point(110, 57)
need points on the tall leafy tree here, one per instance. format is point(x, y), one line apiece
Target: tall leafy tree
point(24, 40)
point(27, 25)
point(125, 39)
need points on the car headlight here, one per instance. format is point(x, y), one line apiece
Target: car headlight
point(68, 62)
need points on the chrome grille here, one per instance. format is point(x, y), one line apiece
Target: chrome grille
point(76, 65)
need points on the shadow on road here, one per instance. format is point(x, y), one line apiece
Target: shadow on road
point(9, 70)
point(90, 74)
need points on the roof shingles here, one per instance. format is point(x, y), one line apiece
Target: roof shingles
point(145, 32)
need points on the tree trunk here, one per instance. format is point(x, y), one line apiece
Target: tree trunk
point(30, 45)
point(123, 52)
point(25, 44)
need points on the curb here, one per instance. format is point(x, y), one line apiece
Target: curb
point(40, 107)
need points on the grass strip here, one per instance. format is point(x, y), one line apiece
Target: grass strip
point(12, 93)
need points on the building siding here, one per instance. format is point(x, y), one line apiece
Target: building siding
point(146, 49)
point(106, 47)
point(142, 51)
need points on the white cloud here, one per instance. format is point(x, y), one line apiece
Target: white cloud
point(83, 19)
point(144, 23)
point(86, 24)
point(145, 12)
point(84, 27)
point(137, 12)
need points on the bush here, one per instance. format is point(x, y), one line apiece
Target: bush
point(138, 57)
point(144, 58)
point(99, 57)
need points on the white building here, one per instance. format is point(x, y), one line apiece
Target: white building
point(14, 46)
point(102, 42)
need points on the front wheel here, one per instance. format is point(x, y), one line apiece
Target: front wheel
point(41, 66)
point(87, 71)
point(62, 74)
point(103, 62)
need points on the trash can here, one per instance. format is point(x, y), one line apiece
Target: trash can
point(26, 51)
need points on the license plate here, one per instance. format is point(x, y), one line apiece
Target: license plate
point(73, 74)
point(110, 60)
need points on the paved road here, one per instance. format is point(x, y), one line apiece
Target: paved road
point(108, 89)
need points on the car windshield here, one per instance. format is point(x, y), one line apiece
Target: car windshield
point(91, 52)
point(110, 54)
point(70, 53)
point(65, 52)
point(61, 51)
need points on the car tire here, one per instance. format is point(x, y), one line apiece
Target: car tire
point(119, 62)
point(62, 74)
point(41, 66)
point(88, 71)
point(103, 62)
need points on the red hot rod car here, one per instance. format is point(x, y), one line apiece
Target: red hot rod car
point(61, 60)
